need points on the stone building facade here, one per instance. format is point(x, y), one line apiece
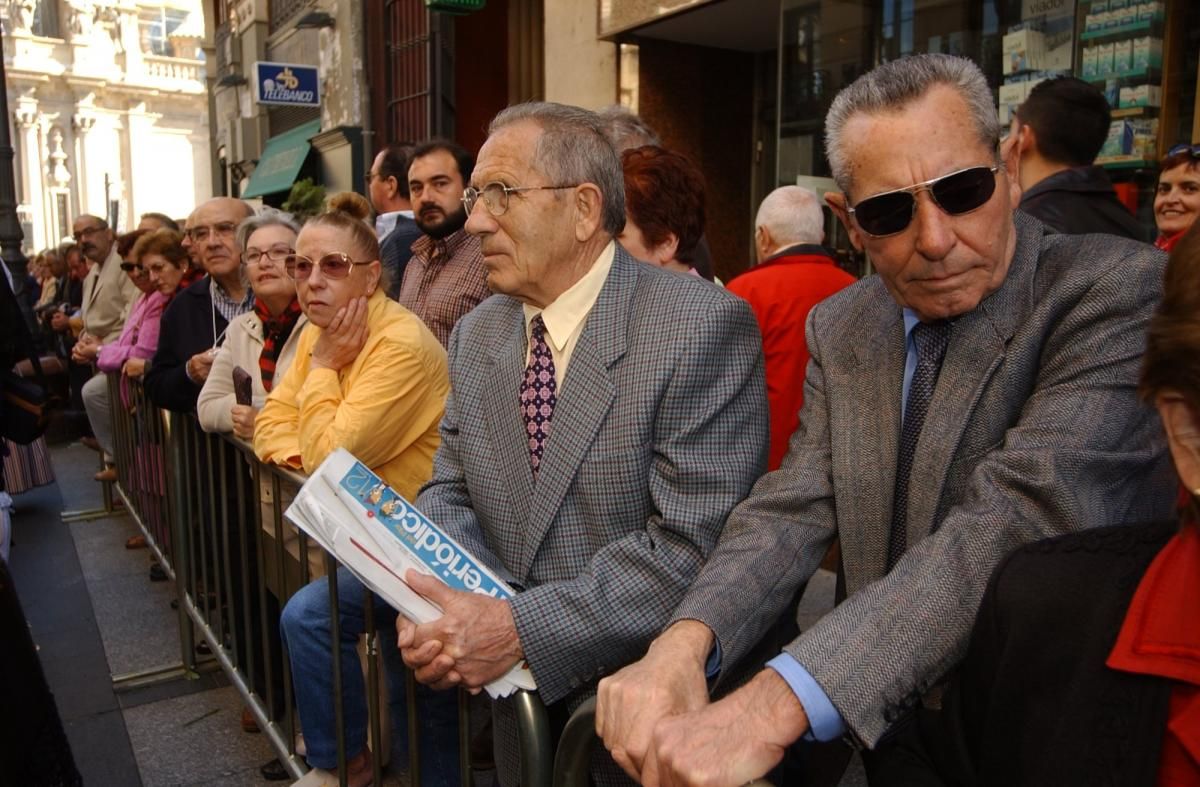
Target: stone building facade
point(108, 110)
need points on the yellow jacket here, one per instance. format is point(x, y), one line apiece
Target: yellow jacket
point(384, 408)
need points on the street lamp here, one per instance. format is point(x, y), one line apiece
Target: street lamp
point(10, 228)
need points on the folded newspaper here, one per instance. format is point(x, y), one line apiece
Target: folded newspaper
point(378, 535)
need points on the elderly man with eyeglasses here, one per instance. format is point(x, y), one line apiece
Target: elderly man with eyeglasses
point(977, 394)
point(193, 326)
point(604, 418)
point(108, 297)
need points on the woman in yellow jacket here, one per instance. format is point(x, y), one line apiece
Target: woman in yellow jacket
point(369, 377)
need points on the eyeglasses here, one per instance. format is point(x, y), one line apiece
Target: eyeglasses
point(224, 229)
point(87, 232)
point(1184, 148)
point(957, 193)
point(334, 265)
point(370, 177)
point(132, 266)
point(495, 196)
point(280, 253)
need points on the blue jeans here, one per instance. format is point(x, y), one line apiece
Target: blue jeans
point(305, 626)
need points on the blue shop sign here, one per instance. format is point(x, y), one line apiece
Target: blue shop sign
point(287, 84)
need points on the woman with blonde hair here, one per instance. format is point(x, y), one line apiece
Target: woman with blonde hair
point(369, 377)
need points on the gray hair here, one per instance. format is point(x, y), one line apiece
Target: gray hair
point(266, 217)
point(573, 149)
point(792, 215)
point(897, 84)
point(625, 129)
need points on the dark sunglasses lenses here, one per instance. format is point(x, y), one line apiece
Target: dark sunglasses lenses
point(886, 214)
point(130, 266)
point(1194, 150)
point(964, 191)
point(961, 192)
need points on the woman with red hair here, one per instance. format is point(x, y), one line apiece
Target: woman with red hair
point(664, 208)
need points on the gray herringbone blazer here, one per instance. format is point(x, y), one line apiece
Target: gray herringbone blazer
point(1034, 429)
point(659, 430)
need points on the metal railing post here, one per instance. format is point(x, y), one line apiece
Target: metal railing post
point(536, 744)
point(335, 636)
point(373, 714)
point(414, 737)
point(575, 747)
point(178, 487)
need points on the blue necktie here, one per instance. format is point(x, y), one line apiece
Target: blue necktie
point(931, 340)
point(538, 393)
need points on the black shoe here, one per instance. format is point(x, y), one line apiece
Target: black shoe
point(174, 603)
point(202, 648)
point(158, 573)
point(274, 771)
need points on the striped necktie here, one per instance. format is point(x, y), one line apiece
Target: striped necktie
point(931, 340)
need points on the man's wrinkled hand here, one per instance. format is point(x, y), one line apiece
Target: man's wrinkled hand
point(134, 367)
point(200, 364)
point(473, 643)
point(730, 742)
point(340, 343)
point(86, 349)
point(243, 420)
point(669, 680)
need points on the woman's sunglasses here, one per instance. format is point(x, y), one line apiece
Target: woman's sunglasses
point(957, 193)
point(132, 266)
point(334, 265)
point(1193, 150)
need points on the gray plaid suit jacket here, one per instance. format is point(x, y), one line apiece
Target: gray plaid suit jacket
point(1034, 429)
point(660, 428)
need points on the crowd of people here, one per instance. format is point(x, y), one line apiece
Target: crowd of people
point(982, 426)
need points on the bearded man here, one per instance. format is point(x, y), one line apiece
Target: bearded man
point(446, 277)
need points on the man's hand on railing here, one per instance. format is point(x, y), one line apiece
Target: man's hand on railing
point(667, 681)
point(199, 365)
point(730, 742)
point(86, 349)
point(243, 420)
point(134, 367)
point(472, 644)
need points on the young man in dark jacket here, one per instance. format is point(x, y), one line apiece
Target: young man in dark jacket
point(1059, 130)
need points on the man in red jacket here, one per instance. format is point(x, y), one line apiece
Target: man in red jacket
point(793, 273)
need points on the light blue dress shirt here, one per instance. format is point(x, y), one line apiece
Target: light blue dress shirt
point(824, 721)
point(386, 222)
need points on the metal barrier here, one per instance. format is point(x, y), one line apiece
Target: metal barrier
point(213, 516)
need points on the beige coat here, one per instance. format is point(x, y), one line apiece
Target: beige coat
point(243, 344)
point(108, 295)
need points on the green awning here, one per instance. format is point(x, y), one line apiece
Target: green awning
point(282, 158)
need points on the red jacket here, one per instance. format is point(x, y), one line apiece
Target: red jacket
point(781, 291)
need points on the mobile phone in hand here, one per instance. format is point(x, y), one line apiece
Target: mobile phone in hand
point(243, 387)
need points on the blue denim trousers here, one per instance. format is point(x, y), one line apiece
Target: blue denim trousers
point(305, 626)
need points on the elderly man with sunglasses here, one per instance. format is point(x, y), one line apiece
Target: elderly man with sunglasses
point(977, 394)
point(194, 324)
